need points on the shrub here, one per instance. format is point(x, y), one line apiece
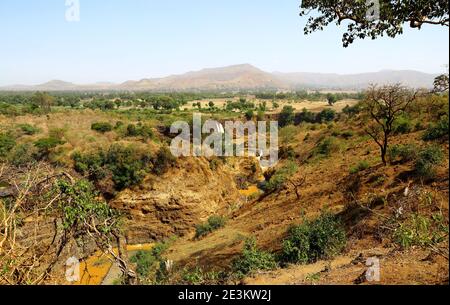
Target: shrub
point(279, 177)
point(402, 125)
point(102, 127)
point(253, 259)
point(286, 116)
point(437, 131)
point(90, 164)
point(213, 223)
point(45, 145)
point(144, 261)
point(361, 166)
point(28, 129)
point(163, 161)
point(322, 238)
point(402, 153)
point(198, 276)
point(326, 146)
point(326, 115)
point(347, 134)
point(421, 231)
point(249, 114)
point(128, 166)
point(427, 161)
point(22, 154)
point(7, 143)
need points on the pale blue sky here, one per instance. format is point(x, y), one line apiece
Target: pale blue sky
point(119, 40)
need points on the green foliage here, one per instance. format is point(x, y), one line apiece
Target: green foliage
point(144, 260)
point(147, 260)
point(253, 259)
point(198, 276)
point(163, 161)
point(402, 125)
point(214, 223)
point(45, 145)
point(22, 155)
point(102, 127)
point(326, 147)
point(326, 115)
point(249, 114)
point(427, 161)
point(287, 116)
point(322, 238)
point(393, 16)
point(28, 129)
point(126, 164)
point(331, 99)
point(361, 166)
point(279, 177)
point(7, 143)
point(352, 110)
point(80, 208)
point(437, 131)
point(403, 153)
point(347, 134)
point(423, 231)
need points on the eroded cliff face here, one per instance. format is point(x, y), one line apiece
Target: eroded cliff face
point(176, 202)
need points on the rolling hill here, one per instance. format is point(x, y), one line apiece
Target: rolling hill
point(245, 77)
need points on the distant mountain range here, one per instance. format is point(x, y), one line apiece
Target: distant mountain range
point(245, 77)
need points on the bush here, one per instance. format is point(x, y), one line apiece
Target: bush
point(144, 261)
point(326, 115)
point(287, 116)
point(163, 161)
point(421, 231)
point(28, 129)
point(22, 154)
point(140, 130)
point(437, 131)
point(127, 165)
point(7, 143)
point(347, 134)
point(322, 238)
point(427, 161)
point(214, 223)
point(45, 145)
point(102, 127)
point(363, 165)
point(279, 177)
point(402, 125)
point(249, 114)
point(147, 260)
point(402, 153)
point(326, 146)
point(253, 259)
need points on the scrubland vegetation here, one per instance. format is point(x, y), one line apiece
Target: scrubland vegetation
point(66, 157)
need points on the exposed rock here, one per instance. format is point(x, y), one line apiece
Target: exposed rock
point(173, 204)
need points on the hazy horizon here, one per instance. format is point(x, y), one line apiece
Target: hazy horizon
point(115, 42)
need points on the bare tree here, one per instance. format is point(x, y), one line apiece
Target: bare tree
point(384, 105)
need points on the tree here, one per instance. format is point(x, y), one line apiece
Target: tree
point(374, 18)
point(249, 114)
point(384, 105)
point(331, 99)
point(441, 83)
point(43, 100)
point(287, 116)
